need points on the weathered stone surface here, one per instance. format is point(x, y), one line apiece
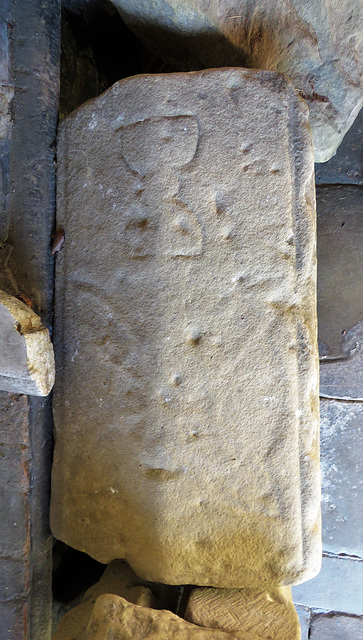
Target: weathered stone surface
point(340, 259)
point(346, 166)
point(336, 627)
point(304, 620)
point(341, 377)
point(26, 352)
point(342, 482)
point(269, 614)
point(319, 45)
point(15, 522)
point(338, 587)
point(118, 579)
point(29, 69)
point(113, 616)
point(191, 445)
point(340, 291)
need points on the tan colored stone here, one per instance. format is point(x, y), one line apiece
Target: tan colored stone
point(115, 617)
point(318, 44)
point(26, 352)
point(118, 579)
point(185, 407)
point(270, 614)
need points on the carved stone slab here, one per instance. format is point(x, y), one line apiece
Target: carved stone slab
point(26, 352)
point(186, 400)
point(268, 614)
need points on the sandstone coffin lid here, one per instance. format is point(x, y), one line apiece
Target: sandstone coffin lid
point(187, 328)
point(319, 45)
point(26, 352)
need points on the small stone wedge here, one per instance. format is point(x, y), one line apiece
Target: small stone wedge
point(270, 614)
point(26, 352)
point(117, 580)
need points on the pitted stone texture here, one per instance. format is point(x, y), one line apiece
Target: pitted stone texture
point(269, 614)
point(115, 617)
point(319, 45)
point(185, 321)
point(26, 352)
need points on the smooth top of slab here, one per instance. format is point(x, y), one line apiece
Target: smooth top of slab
point(186, 406)
point(26, 352)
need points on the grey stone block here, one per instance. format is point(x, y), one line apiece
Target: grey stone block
point(338, 587)
point(14, 527)
point(340, 259)
point(14, 410)
point(341, 377)
point(336, 627)
point(345, 167)
point(341, 425)
point(304, 619)
point(13, 620)
point(14, 578)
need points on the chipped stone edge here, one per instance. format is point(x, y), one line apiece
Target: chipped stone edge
point(305, 224)
point(39, 349)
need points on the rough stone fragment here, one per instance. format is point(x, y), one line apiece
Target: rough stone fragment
point(269, 614)
point(191, 444)
point(26, 352)
point(342, 481)
point(319, 45)
point(336, 627)
point(113, 617)
point(118, 579)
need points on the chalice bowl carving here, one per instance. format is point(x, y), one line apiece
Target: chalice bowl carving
point(160, 222)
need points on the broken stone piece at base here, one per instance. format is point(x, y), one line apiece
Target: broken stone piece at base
point(104, 610)
point(26, 352)
point(191, 445)
point(270, 614)
point(115, 617)
point(118, 579)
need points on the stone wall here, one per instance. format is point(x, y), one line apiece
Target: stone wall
point(30, 40)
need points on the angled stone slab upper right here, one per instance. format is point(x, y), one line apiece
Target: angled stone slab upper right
point(318, 44)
